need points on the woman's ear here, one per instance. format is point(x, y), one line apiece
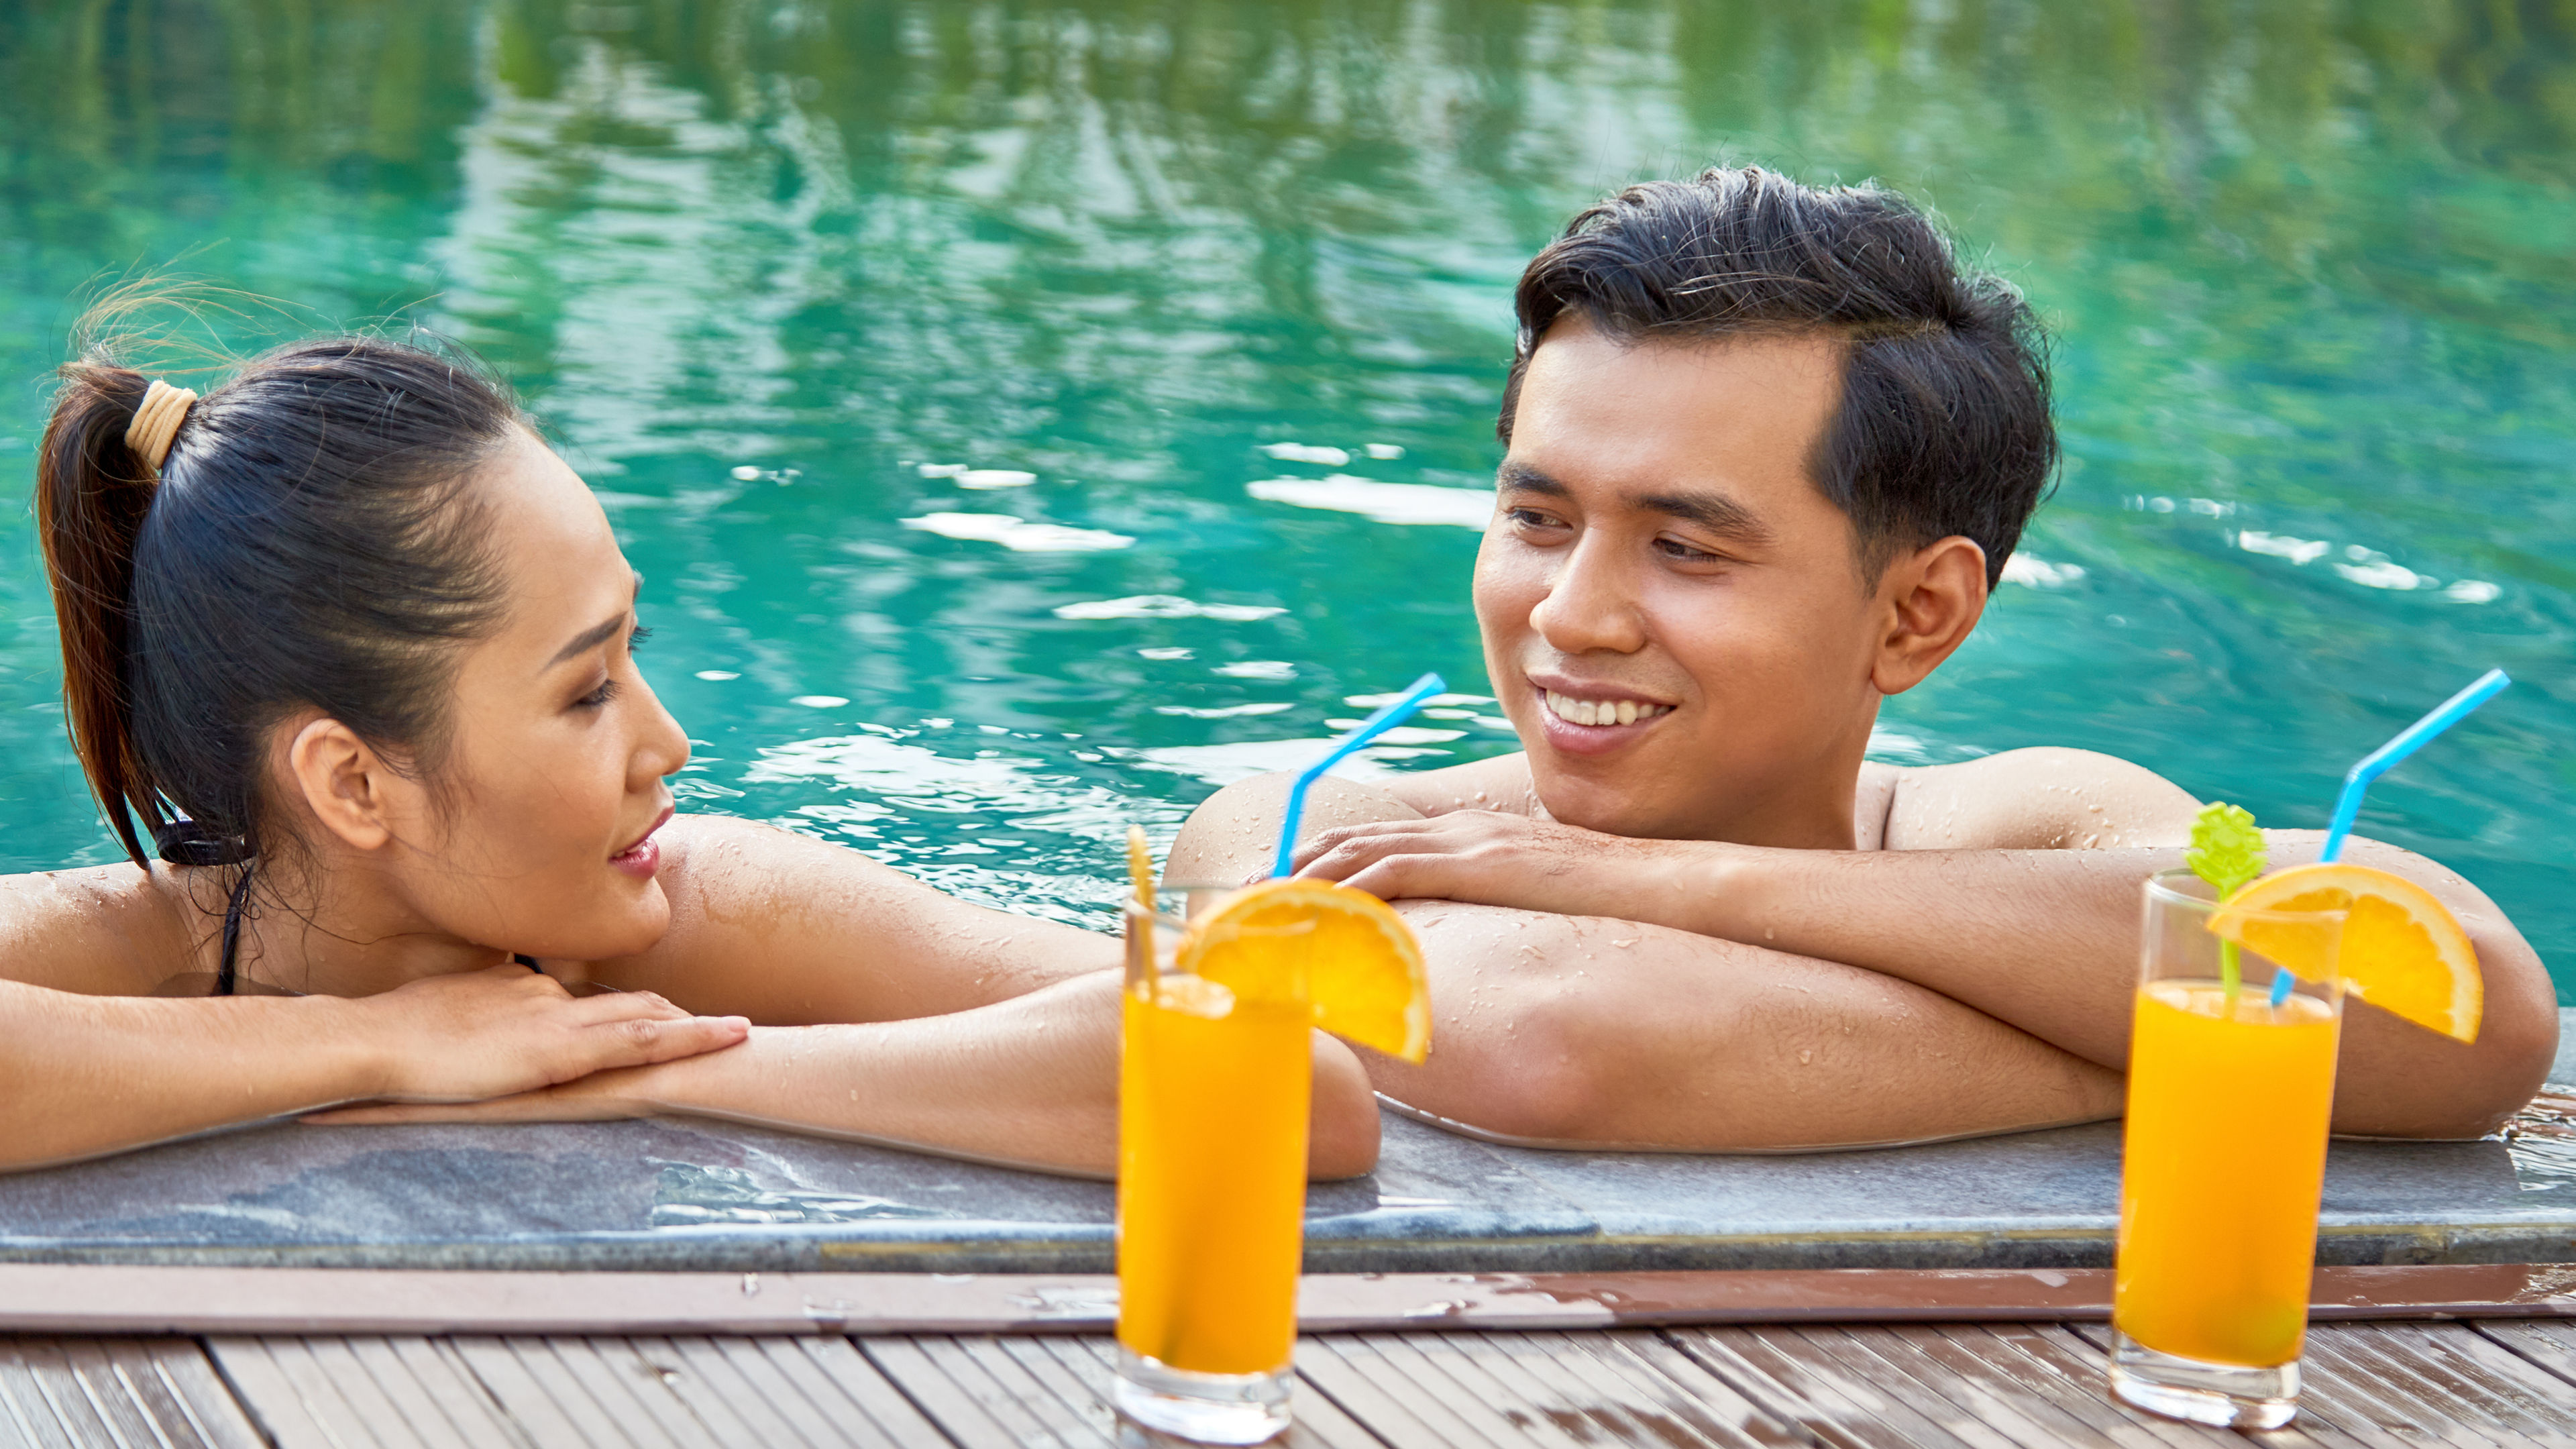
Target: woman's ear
point(345, 784)
point(1930, 598)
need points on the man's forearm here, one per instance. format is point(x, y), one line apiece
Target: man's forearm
point(2046, 940)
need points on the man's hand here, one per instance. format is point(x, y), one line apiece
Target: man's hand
point(1487, 858)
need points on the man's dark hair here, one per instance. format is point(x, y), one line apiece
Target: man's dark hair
point(1944, 425)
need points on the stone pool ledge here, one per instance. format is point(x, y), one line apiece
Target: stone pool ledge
point(685, 1195)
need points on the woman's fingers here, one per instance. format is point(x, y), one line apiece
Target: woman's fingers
point(640, 1040)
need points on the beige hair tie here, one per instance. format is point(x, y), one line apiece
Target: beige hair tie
point(157, 422)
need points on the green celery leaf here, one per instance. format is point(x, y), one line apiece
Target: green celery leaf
point(2226, 849)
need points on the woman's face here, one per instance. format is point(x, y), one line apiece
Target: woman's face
point(536, 836)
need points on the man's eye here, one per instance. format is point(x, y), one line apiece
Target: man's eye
point(1530, 518)
point(1675, 549)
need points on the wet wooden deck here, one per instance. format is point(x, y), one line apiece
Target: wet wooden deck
point(2031, 1385)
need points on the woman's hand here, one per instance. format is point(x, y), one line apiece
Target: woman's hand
point(510, 1030)
point(1491, 858)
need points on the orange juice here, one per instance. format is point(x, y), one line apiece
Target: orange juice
point(1213, 1096)
point(2222, 1171)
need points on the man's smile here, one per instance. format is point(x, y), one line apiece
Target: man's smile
point(1585, 718)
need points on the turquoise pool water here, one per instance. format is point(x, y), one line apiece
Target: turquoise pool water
point(1031, 415)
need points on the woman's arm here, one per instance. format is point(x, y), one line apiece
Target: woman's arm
point(83, 1076)
point(1027, 1082)
point(792, 931)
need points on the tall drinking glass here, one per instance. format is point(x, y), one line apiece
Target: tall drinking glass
point(1213, 1098)
point(2224, 1160)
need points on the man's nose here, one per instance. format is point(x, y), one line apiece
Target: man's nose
point(1591, 603)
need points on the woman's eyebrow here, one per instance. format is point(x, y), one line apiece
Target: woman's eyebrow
point(596, 635)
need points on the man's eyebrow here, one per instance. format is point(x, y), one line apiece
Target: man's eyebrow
point(596, 635)
point(1526, 479)
point(1715, 512)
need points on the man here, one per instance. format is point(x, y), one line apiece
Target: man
point(1768, 449)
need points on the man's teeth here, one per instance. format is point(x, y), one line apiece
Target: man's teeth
point(1601, 711)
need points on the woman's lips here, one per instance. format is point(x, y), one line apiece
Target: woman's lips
point(644, 857)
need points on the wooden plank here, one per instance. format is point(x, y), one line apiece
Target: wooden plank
point(2395, 1411)
point(1794, 1383)
point(761, 1375)
point(221, 1420)
point(723, 1399)
point(129, 1369)
point(1325, 1364)
point(2052, 1365)
point(635, 1389)
point(25, 1426)
point(107, 1298)
point(2548, 1346)
point(1000, 1395)
point(2467, 1375)
point(549, 1420)
point(1603, 1383)
point(869, 1392)
point(1314, 1421)
point(1967, 1412)
point(1445, 1409)
point(295, 1406)
point(25, 1364)
point(961, 1411)
point(381, 1414)
point(430, 1378)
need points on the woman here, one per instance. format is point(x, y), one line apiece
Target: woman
point(348, 659)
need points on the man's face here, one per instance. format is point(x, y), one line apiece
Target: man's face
point(1673, 613)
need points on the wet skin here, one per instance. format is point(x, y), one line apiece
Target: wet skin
point(1717, 925)
point(733, 970)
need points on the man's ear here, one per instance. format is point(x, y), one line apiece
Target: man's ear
point(1929, 598)
point(344, 783)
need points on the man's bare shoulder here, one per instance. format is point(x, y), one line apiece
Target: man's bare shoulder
point(2043, 798)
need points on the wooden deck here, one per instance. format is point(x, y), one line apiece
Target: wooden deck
point(2030, 1385)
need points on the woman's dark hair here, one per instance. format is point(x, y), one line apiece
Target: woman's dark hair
point(1944, 426)
point(308, 542)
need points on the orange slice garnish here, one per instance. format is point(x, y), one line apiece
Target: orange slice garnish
point(2403, 951)
point(1344, 952)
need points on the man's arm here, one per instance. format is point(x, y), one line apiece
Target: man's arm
point(1569, 1029)
point(2042, 938)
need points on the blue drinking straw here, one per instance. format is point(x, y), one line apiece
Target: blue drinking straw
point(1377, 724)
point(2356, 781)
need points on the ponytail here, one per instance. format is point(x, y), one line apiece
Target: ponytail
point(306, 537)
point(92, 492)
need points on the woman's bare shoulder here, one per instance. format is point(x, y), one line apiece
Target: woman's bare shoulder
point(102, 930)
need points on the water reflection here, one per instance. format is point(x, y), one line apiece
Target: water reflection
point(876, 324)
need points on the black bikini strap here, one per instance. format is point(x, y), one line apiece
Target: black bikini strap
point(224, 972)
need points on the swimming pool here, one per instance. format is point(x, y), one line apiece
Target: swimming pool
point(1029, 416)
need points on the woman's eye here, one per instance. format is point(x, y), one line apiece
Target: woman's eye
point(637, 637)
point(600, 696)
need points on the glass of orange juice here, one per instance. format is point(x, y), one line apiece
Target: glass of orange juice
point(1213, 1098)
point(2224, 1160)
